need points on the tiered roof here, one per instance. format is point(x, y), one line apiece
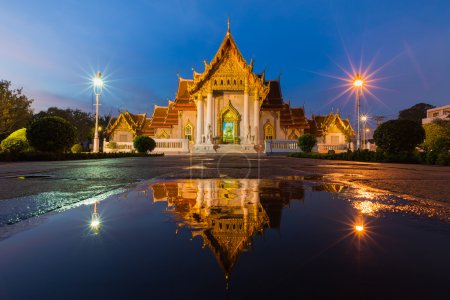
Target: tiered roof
point(274, 99)
point(183, 100)
point(134, 122)
point(293, 117)
point(319, 124)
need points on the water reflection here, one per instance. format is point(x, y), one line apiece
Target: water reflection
point(226, 214)
point(95, 222)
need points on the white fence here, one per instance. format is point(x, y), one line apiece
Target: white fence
point(162, 146)
point(281, 146)
point(324, 148)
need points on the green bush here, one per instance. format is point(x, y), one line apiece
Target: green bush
point(398, 137)
point(112, 145)
point(53, 156)
point(431, 157)
point(434, 131)
point(51, 134)
point(77, 148)
point(331, 152)
point(306, 142)
point(16, 141)
point(441, 144)
point(443, 159)
point(144, 144)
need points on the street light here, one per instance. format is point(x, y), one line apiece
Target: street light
point(364, 120)
point(98, 86)
point(358, 83)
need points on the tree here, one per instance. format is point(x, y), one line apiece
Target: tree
point(82, 121)
point(15, 109)
point(415, 113)
point(434, 131)
point(398, 136)
point(144, 143)
point(306, 142)
point(52, 134)
point(16, 141)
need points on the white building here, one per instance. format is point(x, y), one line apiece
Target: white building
point(441, 112)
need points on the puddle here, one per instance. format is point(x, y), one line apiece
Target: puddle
point(234, 239)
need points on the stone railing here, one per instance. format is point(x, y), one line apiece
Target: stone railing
point(111, 147)
point(324, 148)
point(172, 145)
point(162, 146)
point(281, 146)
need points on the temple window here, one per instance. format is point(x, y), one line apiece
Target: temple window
point(221, 82)
point(228, 82)
point(268, 131)
point(188, 132)
point(215, 82)
point(235, 82)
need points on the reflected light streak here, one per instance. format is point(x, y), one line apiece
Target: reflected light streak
point(95, 223)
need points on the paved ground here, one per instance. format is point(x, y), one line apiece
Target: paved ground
point(423, 182)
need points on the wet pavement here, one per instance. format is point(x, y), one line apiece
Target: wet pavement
point(289, 237)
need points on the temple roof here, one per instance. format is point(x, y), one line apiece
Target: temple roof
point(291, 117)
point(183, 100)
point(319, 124)
point(134, 122)
point(274, 99)
point(228, 47)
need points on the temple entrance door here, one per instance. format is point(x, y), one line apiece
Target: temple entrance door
point(229, 126)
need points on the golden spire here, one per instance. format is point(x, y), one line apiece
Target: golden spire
point(228, 31)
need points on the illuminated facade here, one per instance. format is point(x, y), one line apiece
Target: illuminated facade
point(227, 105)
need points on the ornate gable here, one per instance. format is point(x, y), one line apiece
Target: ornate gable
point(228, 70)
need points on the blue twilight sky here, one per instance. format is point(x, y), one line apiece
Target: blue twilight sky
point(52, 48)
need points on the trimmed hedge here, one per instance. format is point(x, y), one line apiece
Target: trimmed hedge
point(144, 143)
point(51, 156)
point(53, 134)
point(370, 156)
point(16, 141)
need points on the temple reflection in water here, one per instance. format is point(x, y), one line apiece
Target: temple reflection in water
point(227, 213)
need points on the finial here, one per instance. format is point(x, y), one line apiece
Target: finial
point(228, 31)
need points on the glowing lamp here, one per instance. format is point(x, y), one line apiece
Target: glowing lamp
point(97, 81)
point(359, 228)
point(358, 82)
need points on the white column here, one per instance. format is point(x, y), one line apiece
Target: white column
point(246, 133)
point(256, 118)
point(209, 112)
point(199, 120)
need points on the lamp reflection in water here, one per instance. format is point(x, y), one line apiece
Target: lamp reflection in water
point(95, 222)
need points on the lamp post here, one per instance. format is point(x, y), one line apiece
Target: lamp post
point(364, 120)
point(98, 86)
point(358, 83)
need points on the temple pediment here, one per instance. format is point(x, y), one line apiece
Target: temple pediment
point(228, 71)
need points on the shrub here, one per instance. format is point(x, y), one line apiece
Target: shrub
point(331, 152)
point(306, 142)
point(16, 141)
point(399, 137)
point(435, 130)
point(144, 143)
point(112, 145)
point(441, 144)
point(77, 148)
point(52, 134)
point(443, 159)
